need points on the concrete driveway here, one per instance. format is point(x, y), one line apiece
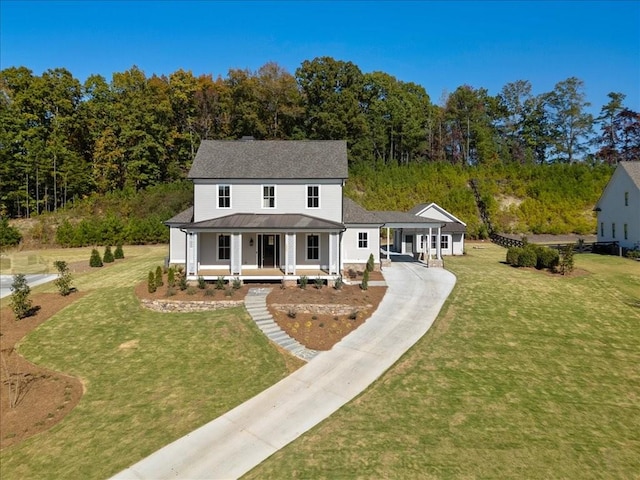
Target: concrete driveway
point(234, 443)
point(32, 281)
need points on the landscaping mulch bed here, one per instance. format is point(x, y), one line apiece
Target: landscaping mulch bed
point(318, 331)
point(45, 396)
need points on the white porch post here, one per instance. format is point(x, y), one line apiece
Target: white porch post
point(439, 244)
point(388, 246)
point(290, 254)
point(191, 254)
point(429, 244)
point(236, 254)
point(334, 247)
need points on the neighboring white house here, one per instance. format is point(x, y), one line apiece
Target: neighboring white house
point(618, 208)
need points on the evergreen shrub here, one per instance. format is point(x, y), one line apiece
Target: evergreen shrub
point(370, 263)
point(151, 282)
point(118, 254)
point(303, 282)
point(95, 260)
point(220, 283)
point(201, 283)
point(9, 235)
point(171, 277)
point(548, 258)
point(528, 257)
point(512, 255)
point(365, 280)
point(159, 281)
point(108, 256)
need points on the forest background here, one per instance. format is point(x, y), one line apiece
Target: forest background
point(104, 162)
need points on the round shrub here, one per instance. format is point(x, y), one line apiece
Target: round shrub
point(527, 258)
point(548, 258)
point(512, 255)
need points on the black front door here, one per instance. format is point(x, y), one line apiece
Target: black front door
point(268, 251)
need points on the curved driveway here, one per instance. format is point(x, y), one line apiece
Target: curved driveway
point(234, 443)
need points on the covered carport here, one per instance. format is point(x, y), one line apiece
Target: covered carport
point(412, 236)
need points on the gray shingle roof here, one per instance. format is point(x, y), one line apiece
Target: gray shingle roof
point(185, 216)
point(353, 213)
point(403, 217)
point(633, 169)
point(261, 221)
point(273, 159)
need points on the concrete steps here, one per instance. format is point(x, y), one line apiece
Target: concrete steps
point(256, 304)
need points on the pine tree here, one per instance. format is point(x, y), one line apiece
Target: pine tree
point(108, 256)
point(95, 260)
point(118, 253)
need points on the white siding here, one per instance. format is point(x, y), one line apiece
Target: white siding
point(177, 246)
point(614, 211)
point(350, 251)
point(246, 197)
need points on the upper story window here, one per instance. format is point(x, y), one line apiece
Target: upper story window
point(313, 196)
point(602, 229)
point(363, 239)
point(268, 196)
point(626, 199)
point(313, 247)
point(613, 230)
point(224, 196)
point(626, 232)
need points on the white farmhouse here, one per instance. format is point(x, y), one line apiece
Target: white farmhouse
point(618, 208)
point(275, 210)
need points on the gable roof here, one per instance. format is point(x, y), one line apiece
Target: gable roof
point(418, 209)
point(271, 159)
point(632, 169)
point(353, 213)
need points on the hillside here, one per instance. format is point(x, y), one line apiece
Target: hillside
point(529, 199)
point(524, 199)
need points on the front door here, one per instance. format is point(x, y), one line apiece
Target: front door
point(268, 251)
point(408, 244)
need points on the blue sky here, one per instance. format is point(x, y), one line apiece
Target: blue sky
point(439, 45)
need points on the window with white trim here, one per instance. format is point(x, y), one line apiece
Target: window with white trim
point(224, 196)
point(313, 196)
point(363, 239)
point(268, 196)
point(434, 239)
point(313, 247)
point(224, 247)
point(444, 242)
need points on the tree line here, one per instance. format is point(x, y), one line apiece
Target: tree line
point(61, 139)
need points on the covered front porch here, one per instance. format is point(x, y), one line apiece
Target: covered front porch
point(263, 247)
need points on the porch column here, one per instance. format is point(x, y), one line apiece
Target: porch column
point(334, 248)
point(192, 258)
point(429, 244)
point(290, 254)
point(439, 244)
point(236, 254)
point(388, 245)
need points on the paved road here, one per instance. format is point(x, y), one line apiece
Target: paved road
point(234, 443)
point(32, 280)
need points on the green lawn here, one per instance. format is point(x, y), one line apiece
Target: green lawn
point(150, 377)
point(524, 375)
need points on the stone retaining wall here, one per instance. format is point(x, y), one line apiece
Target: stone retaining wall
point(189, 306)
point(319, 309)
